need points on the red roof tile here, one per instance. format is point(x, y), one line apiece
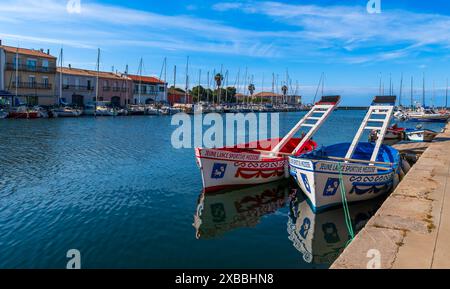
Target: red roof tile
point(146, 79)
point(25, 51)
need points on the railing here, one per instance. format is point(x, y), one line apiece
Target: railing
point(32, 85)
point(78, 87)
point(144, 92)
point(106, 88)
point(31, 68)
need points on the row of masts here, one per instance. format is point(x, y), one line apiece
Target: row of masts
point(412, 91)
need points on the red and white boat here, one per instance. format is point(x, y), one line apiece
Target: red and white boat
point(252, 163)
point(24, 112)
point(394, 134)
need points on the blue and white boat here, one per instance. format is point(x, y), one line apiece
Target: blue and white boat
point(355, 171)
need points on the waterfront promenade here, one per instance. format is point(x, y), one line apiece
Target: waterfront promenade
point(412, 228)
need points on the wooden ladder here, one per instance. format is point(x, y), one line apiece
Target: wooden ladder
point(313, 120)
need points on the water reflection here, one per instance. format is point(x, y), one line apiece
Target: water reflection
point(222, 212)
point(321, 237)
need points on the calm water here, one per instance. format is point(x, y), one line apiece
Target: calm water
point(115, 189)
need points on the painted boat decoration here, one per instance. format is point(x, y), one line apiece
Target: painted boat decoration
point(394, 134)
point(361, 171)
point(253, 163)
point(421, 135)
point(321, 237)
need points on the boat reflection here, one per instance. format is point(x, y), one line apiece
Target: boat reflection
point(225, 211)
point(321, 237)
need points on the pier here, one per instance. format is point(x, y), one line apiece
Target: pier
point(412, 227)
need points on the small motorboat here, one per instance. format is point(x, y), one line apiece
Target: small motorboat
point(103, 110)
point(23, 112)
point(136, 110)
point(427, 115)
point(3, 114)
point(394, 134)
point(151, 110)
point(355, 171)
point(254, 163)
point(66, 112)
point(420, 135)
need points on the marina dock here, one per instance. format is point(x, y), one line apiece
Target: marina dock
point(412, 228)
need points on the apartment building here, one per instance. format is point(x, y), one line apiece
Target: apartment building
point(148, 89)
point(28, 74)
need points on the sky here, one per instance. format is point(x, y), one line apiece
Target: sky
point(353, 48)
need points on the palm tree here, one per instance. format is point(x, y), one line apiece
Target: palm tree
point(219, 78)
point(251, 89)
point(285, 90)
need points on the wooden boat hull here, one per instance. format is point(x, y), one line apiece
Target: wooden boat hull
point(320, 178)
point(24, 115)
point(233, 167)
point(421, 135)
point(429, 118)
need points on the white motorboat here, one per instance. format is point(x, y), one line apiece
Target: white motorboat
point(420, 135)
point(67, 112)
point(3, 114)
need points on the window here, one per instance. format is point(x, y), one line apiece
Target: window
point(161, 89)
point(77, 83)
point(32, 81)
point(105, 83)
point(66, 82)
point(16, 59)
point(45, 81)
point(31, 64)
point(89, 84)
point(45, 65)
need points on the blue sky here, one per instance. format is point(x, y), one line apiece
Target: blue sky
point(352, 47)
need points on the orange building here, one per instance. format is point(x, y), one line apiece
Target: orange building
point(28, 74)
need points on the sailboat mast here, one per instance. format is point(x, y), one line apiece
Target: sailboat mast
point(97, 82)
point(165, 79)
point(17, 76)
point(423, 90)
point(199, 85)
point(140, 80)
point(187, 82)
point(412, 92)
point(446, 95)
point(60, 77)
point(401, 90)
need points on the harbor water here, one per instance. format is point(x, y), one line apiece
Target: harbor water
point(116, 190)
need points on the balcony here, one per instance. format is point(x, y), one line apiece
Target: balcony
point(106, 88)
point(78, 87)
point(30, 68)
point(144, 92)
point(32, 85)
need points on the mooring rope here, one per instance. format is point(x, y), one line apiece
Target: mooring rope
point(348, 219)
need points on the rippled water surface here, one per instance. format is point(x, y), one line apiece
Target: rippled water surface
point(115, 189)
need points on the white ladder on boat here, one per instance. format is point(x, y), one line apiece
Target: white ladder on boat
point(316, 117)
point(370, 123)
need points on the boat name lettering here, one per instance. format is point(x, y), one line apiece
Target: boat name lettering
point(230, 155)
point(334, 167)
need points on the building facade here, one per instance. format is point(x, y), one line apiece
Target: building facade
point(148, 89)
point(79, 87)
point(29, 75)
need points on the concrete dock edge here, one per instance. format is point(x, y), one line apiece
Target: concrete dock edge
point(412, 227)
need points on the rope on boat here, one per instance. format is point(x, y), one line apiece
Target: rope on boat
point(348, 219)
